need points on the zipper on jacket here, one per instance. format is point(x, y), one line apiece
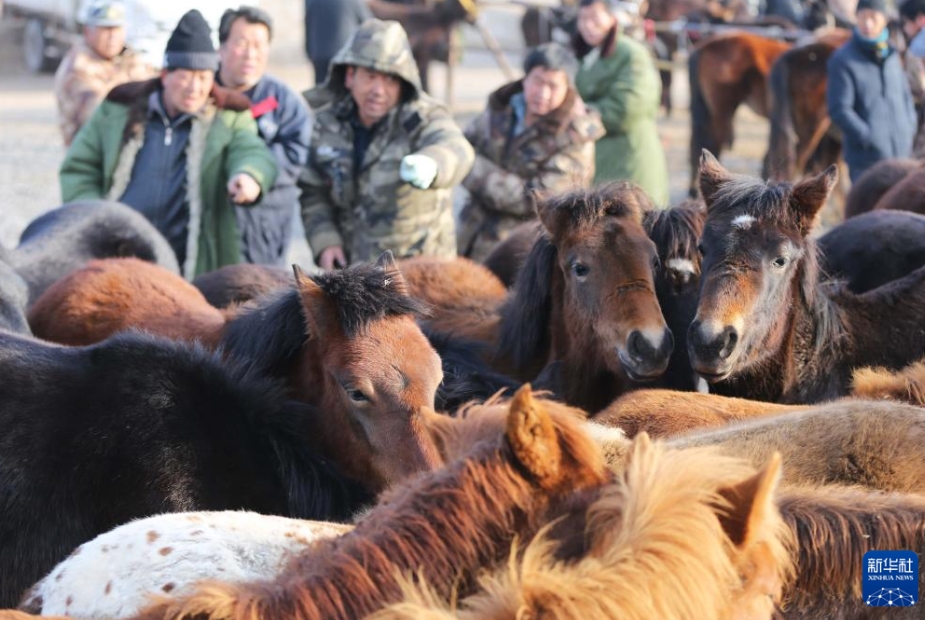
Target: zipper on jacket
point(168, 134)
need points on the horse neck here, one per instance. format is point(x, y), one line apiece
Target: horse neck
point(441, 529)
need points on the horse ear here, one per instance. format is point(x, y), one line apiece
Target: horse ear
point(550, 215)
point(751, 504)
point(315, 302)
point(533, 438)
point(387, 263)
point(712, 176)
point(810, 195)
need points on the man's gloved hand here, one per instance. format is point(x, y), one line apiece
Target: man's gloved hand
point(419, 170)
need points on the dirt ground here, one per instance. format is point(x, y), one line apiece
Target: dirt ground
point(31, 149)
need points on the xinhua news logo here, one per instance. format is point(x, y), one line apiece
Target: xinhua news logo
point(891, 578)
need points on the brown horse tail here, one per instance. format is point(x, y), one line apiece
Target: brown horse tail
point(700, 121)
point(781, 155)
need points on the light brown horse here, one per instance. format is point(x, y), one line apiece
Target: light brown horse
point(726, 71)
point(444, 526)
point(346, 342)
point(765, 328)
point(682, 534)
point(906, 385)
point(834, 527)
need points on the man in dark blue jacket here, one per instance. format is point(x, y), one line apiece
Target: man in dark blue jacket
point(283, 121)
point(868, 95)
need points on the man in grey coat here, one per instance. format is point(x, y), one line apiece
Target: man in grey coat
point(328, 25)
point(868, 95)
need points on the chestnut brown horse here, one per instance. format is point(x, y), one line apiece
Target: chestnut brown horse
point(765, 329)
point(802, 139)
point(429, 25)
point(346, 342)
point(726, 71)
point(657, 545)
point(443, 526)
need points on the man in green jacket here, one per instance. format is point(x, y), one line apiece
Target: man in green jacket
point(618, 78)
point(176, 149)
point(384, 156)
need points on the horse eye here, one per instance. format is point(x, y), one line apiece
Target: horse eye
point(357, 396)
point(780, 262)
point(579, 270)
point(700, 249)
point(656, 263)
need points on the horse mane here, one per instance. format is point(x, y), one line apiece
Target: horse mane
point(771, 200)
point(835, 526)
point(270, 334)
point(525, 316)
point(364, 294)
point(656, 549)
point(676, 231)
point(583, 207)
point(449, 520)
point(316, 489)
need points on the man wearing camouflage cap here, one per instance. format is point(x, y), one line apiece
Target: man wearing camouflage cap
point(95, 66)
point(384, 156)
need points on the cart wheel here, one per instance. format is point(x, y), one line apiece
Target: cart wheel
point(35, 46)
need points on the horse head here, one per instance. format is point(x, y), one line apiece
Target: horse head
point(758, 265)
point(605, 262)
point(376, 371)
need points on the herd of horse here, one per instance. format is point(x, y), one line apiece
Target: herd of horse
point(138, 408)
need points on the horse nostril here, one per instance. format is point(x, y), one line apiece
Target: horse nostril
point(730, 338)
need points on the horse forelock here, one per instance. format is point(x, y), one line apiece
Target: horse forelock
point(364, 294)
point(582, 208)
point(676, 232)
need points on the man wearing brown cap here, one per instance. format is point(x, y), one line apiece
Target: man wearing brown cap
point(94, 66)
point(176, 149)
point(868, 95)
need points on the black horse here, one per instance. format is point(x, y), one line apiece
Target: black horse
point(66, 238)
point(874, 248)
point(93, 437)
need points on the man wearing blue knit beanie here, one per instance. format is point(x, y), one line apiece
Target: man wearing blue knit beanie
point(868, 95)
point(179, 149)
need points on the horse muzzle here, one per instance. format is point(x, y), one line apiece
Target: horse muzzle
point(647, 354)
point(711, 347)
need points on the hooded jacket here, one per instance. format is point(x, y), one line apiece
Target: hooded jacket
point(368, 209)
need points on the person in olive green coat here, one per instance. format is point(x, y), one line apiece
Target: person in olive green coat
point(179, 150)
point(618, 78)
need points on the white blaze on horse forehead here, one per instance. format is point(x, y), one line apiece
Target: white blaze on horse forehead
point(743, 221)
point(682, 265)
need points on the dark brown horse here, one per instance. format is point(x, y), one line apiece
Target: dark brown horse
point(441, 527)
point(875, 182)
point(346, 342)
point(765, 329)
point(584, 304)
point(429, 25)
point(726, 71)
point(802, 139)
point(236, 284)
point(907, 195)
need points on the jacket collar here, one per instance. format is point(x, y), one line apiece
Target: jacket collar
point(556, 121)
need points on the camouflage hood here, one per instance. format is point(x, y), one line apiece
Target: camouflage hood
point(380, 46)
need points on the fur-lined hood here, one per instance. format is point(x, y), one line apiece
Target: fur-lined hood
point(135, 95)
point(573, 117)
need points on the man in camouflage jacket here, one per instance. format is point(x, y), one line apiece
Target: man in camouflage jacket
point(95, 65)
point(384, 156)
point(535, 137)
